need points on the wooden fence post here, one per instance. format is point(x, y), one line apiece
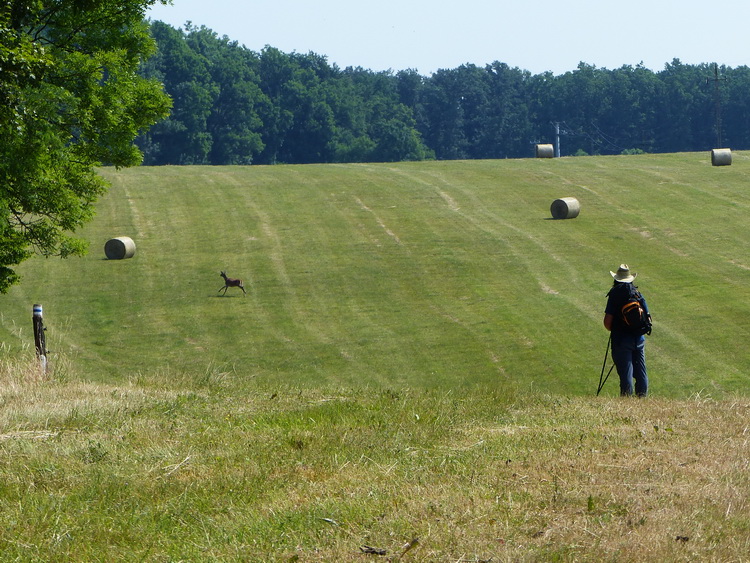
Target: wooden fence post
point(40, 342)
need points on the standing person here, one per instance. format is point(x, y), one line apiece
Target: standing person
point(628, 347)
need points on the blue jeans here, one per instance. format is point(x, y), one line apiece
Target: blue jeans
point(629, 355)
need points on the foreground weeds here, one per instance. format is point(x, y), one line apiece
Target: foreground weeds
point(207, 466)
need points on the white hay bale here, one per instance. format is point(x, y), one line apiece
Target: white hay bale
point(545, 151)
point(721, 157)
point(119, 248)
point(565, 208)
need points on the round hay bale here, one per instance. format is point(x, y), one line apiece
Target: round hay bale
point(545, 151)
point(119, 248)
point(565, 208)
point(721, 157)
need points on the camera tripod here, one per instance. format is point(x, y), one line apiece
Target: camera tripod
point(602, 377)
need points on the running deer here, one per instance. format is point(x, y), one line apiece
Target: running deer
point(231, 282)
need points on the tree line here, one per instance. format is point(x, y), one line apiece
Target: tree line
point(232, 105)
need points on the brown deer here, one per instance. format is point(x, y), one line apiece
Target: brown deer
point(231, 282)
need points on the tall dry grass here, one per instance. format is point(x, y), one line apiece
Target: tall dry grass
point(209, 465)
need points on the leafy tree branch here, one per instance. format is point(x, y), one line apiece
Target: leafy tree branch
point(72, 100)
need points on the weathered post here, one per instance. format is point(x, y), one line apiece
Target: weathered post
point(40, 342)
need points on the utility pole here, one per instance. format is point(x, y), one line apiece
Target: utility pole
point(717, 102)
point(558, 132)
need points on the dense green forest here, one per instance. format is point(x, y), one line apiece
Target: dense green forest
point(236, 106)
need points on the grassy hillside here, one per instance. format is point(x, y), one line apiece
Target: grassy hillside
point(413, 366)
point(212, 467)
point(436, 274)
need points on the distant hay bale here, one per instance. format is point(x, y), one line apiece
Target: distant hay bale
point(565, 208)
point(545, 151)
point(721, 157)
point(119, 248)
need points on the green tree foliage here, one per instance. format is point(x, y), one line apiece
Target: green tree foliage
point(300, 90)
point(235, 106)
point(445, 106)
point(70, 99)
point(737, 102)
point(215, 91)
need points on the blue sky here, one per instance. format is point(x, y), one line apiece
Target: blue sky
point(427, 35)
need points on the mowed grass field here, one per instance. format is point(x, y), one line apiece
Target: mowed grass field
point(410, 376)
point(436, 274)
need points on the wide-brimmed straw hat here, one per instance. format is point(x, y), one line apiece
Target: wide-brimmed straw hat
point(623, 274)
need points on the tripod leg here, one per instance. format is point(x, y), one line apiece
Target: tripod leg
point(604, 364)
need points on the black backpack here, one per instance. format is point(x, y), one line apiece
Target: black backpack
point(633, 316)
